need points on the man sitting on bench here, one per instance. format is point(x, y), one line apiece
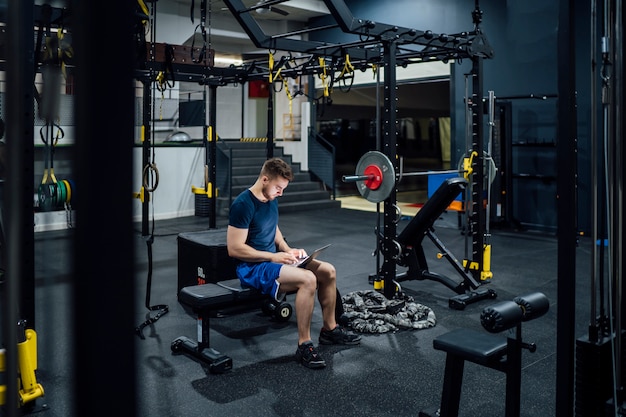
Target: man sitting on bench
point(268, 262)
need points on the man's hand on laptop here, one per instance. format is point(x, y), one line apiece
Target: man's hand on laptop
point(299, 253)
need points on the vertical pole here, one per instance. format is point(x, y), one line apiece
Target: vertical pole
point(593, 328)
point(212, 154)
point(566, 207)
point(477, 217)
point(19, 281)
point(620, 251)
point(99, 267)
point(391, 151)
point(146, 144)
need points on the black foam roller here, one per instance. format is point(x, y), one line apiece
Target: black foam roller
point(501, 316)
point(533, 305)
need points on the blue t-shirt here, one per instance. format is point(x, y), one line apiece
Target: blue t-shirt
point(260, 218)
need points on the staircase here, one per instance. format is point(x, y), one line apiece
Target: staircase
point(247, 159)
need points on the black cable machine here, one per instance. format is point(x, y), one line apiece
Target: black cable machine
point(599, 355)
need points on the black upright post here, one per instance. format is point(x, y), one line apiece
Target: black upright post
point(211, 155)
point(104, 378)
point(391, 151)
point(566, 208)
point(477, 217)
point(146, 146)
point(18, 301)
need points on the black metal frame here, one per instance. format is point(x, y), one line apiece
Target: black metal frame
point(389, 46)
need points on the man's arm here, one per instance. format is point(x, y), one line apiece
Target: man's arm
point(238, 248)
point(282, 245)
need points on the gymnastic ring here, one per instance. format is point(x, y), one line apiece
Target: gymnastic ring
point(146, 171)
point(397, 255)
point(398, 214)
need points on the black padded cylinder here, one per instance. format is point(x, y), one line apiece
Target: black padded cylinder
point(501, 316)
point(533, 305)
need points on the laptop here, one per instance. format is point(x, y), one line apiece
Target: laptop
point(302, 262)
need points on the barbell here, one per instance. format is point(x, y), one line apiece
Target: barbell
point(376, 177)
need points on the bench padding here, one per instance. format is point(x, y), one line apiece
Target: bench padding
point(473, 346)
point(213, 296)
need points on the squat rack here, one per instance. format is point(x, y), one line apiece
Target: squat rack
point(389, 46)
point(368, 43)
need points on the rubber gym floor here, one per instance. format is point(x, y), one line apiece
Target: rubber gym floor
point(390, 374)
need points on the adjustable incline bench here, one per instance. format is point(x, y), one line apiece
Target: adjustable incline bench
point(412, 253)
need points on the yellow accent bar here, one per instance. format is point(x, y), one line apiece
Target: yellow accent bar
point(472, 265)
point(253, 140)
point(209, 134)
point(467, 165)
point(486, 272)
point(143, 133)
point(198, 190)
point(141, 195)
point(27, 359)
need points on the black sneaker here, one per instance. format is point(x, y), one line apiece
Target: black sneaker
point(339, 336)
point(308, 355)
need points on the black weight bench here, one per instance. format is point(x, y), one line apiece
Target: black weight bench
point(211, 299)
point(492, 351)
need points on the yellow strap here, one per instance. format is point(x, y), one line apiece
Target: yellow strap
point(143, 6)
point(289, 95)
point(323, 76)
point(348, 68)
point(52, 176)
point(47, 172)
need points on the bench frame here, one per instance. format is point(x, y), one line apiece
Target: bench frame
point(213, 299)
point(489, 350)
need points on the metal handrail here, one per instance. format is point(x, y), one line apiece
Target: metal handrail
point(228, 154)
point(322, 160)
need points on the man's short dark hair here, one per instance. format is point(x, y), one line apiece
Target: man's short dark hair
point(276, 167)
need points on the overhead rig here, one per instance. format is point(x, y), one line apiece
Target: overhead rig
point(364, 50)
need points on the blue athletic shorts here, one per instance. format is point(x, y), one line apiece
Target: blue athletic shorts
point(261, 275)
